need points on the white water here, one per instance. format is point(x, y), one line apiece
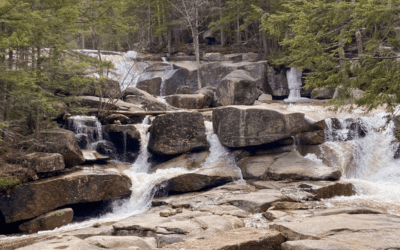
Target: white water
point(377, 173)
point(294, 84)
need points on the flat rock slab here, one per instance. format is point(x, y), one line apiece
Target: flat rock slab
point(122, 242)
point(92, 156)
point(241, 126)
point(365, 231)
point(243, 238)
point(187, 161)
point(283, 166)
point(44, 162)
point(65, 243)
point(86, 185)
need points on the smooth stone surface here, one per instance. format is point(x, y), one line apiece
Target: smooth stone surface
point(286, 166)
point(44, 162)
point(49, 221)
point(277, 81)
point(121, 242)
point(147, 103)
point(241, 126)
point(311, 138)
point(151, 86)
point(94, 102)
point(237, 88)
point(86, 185)
point(92, 156)
point(65, 243)
point(322, 93)
point(243, 239)
point(187, 101)
point(177, 133)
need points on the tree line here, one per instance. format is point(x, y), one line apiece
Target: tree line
point(345, 43)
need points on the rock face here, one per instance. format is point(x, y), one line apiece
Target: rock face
point(151, 86)
point(237, 88)
point(311, 138)
point(192, 101)
point(108, 88)
point(63, 142)
point(177, 133)
point(88, 185)
point(286, 166)
point(48, 221)
point(277, 82)
point(241, 126)
point(44, 162)
point(126, 139)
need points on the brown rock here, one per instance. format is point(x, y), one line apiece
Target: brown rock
point(186, 161)
point(44, 162)
point(88, 185)
point(187, 101)
point(48, 221)
point(311, 138)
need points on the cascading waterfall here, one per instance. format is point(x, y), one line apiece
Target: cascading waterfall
point(377, 172)
point(167, 75)
point(294, 84)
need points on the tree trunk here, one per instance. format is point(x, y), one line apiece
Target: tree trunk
point(169, 40)
point(197, 47)
point(37, 128)
point(149, 22)
point(223, 39)
point(359, 42)
point(238, 38)
point(265, 44)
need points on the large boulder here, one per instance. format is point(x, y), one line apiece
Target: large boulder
point(63, 142)
point(286, 166)
point(44, 162)
point(259, 71)
point(48, 221)
point(95, 102)
point(148, 104)
point(177, 133)
point(237, 88)
point(88, 185)
point(151, 86)
point(215, 174)
point(241, 126)
point(105, 88)
point(322, 93)
point(191, 101)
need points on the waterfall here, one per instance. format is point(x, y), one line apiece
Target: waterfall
point(166, 75)
point(294, 84)
point(141, 165)
point(87, 129)
point(217, 150)
point(377, 172)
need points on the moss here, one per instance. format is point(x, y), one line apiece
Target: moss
point(57, 214)
point(4, 181)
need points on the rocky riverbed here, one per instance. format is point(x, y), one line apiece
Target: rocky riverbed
point(224, 167)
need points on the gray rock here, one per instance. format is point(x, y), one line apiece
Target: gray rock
point(265, 97)
point(241, 126)
point(213, 57)
point(94, 102)
point(120, 242)
point(92, 156)
point(48, 221)
point(186, 161)
point(67, 243)
point(192, 101)
point(111, 119)
point(177, 133)
point(151, 86)
point(322, 93)
point(311, 138)
point(148, 104)
point(89, 185)
point(251, 57)
point(106, 88)
point(237, 88)
point(277, 81)
point(44, 162)
point(63, 142)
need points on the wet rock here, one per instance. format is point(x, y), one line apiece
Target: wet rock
point(177, 133)
point(237, 88)
point(322, 93)
point(126, 139)
point(344, 231)
point(63, 142)
point(215, 174)
point(44, 162)
point(151, 86)
point(191, 101)
point(243, 238)
point(160, 67)
point(173, 80)
point(87, 185)
point(186, 161)
point(82, 140)
point(241, 126)
point(48, 221)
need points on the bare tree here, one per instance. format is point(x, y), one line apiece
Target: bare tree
point(190, 10)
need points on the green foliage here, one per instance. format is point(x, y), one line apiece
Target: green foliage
point(4, 182)
point(316, 34)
